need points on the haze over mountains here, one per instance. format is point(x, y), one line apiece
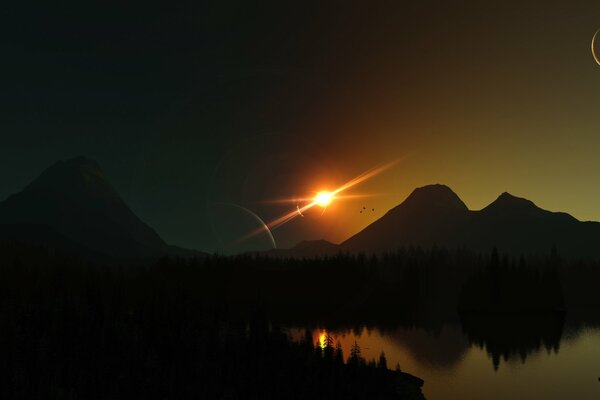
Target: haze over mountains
point(71, 206)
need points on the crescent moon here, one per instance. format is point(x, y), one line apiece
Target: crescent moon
point(596, 58)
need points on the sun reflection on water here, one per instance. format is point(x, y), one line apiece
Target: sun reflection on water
point(322, 338)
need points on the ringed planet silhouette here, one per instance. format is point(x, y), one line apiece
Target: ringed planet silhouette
point(594, 39)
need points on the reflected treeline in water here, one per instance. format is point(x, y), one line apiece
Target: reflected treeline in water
point(514, 308)
point(507, 336)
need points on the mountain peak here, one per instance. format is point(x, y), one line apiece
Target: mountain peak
point(79, 160)
point(304, 244)
point(507, 200)
point(76, 175)
point(80, 163)
point(437, 188)
point(505, 196)
point(76, 200)
point(437, 195)
point(426, 215)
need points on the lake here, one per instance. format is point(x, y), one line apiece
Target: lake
point(457, 367)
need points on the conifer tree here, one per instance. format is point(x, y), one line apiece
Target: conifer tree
point(355, 355)
point(339, 354)
point(382, 361)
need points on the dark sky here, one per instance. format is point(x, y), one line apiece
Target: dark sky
point(191, 107)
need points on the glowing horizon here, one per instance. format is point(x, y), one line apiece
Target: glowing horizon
point(322, 198)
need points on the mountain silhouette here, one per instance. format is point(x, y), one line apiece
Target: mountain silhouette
point(517, 225)
point(434, 215)
point(73, 207)
point(307, 249)
point(431, 214)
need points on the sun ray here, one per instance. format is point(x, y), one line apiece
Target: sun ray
point(297, 200)
point(322, 198)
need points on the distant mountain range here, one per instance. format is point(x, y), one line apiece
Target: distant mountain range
point(71, 206)
point(435, 215)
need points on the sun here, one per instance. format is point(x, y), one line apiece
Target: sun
point(323, 198)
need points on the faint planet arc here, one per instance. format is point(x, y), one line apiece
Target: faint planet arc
point(258, 219)
point(594, 38)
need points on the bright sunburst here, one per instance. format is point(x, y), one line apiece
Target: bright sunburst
point(323, 198)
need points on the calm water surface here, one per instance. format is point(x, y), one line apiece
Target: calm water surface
point(455, 369)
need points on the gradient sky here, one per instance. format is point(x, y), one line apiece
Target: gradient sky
point(192, 106)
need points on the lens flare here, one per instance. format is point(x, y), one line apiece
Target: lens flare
point(323, 198)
